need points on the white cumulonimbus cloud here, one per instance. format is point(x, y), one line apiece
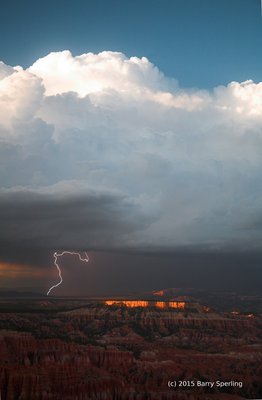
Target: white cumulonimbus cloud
point(110, 153)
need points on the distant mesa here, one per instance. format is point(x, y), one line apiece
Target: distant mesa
point(161, 299)
point(160, 305)
point(146, 303)
point(159, 293)
point(172, 293)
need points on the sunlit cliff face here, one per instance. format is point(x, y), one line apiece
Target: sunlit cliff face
point(176, 304)
point(127, 303)
point(144, 303)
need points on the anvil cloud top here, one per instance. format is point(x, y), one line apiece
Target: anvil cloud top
point(203, 43)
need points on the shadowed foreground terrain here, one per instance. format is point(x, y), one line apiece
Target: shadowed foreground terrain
point(78, 349)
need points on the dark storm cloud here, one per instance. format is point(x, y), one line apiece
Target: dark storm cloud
point(36, 223)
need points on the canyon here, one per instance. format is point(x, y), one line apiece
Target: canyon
point(78, 349)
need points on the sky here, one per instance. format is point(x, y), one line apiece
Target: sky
point(132, 131)
point(202, 43)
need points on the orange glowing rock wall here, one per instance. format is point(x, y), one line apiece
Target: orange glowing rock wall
point(176, 304)
point(160, 304)
point(127, 303)
point(144, 303)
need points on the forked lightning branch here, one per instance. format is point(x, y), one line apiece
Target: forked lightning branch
point(56, 256)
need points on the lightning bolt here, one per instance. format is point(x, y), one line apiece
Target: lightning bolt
point(56, 255)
